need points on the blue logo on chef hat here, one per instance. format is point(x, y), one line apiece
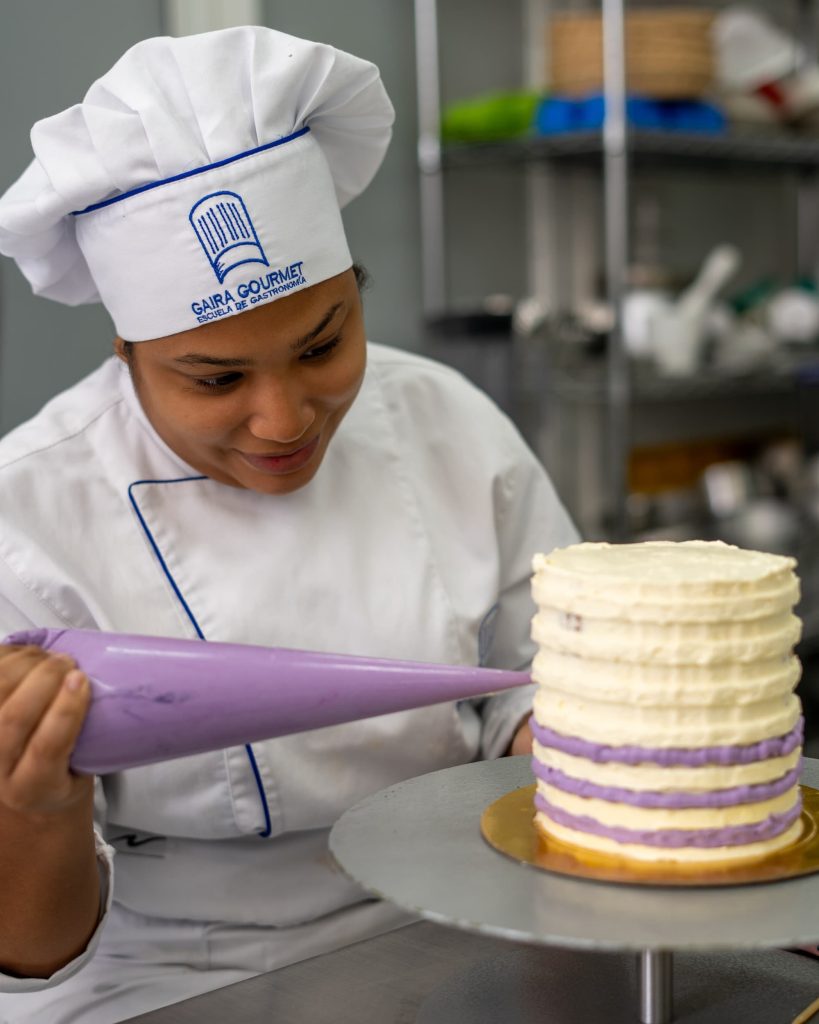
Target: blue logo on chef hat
point(226, 233)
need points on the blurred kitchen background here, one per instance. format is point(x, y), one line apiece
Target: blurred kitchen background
point(623, 253)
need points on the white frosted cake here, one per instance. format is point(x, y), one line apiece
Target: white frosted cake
point(666, 727)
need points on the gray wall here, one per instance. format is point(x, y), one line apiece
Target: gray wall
point(50, 52)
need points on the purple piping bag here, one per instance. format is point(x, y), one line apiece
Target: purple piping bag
point(157, 698)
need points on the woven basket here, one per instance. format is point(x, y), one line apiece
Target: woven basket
point(668, 53)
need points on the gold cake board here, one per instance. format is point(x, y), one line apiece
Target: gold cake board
point(507, 824)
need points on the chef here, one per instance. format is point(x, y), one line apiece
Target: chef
point(244, 468)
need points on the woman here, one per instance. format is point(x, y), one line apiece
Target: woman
point(245, 468)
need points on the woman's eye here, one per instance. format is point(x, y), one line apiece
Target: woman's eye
point(224, 380)
point(317, 351)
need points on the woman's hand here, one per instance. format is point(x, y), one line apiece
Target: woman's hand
point(49, 879)
point(522, 740)
point(44, 699)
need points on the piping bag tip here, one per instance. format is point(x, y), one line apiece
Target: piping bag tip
point(159, 698)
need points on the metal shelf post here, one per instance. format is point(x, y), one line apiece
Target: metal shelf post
point(433, 270)
point(615, 183)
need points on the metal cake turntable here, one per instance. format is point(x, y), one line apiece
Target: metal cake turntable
point(419, 845)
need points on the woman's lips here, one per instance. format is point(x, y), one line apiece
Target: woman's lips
point(279, 464)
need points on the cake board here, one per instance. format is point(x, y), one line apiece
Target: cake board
point(418, 844)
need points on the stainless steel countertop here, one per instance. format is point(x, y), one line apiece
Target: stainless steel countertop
point(428, 974)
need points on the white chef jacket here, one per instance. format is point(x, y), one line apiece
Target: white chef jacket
point(413, 540)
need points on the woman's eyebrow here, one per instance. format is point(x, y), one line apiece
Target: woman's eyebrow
point(233, 363)
point(200, 359)
point(311, 335)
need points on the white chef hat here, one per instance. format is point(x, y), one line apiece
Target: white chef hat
point(197, 178)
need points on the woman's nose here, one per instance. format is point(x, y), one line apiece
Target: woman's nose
point(280, 412)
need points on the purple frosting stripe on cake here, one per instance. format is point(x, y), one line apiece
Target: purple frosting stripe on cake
point(676, 838)
point(694, 757)
point(654, 798)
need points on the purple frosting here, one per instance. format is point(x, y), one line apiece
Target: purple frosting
point(694, 757)
point(653, 798)
point(675, 838)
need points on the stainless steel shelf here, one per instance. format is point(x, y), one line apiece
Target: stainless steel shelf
point(615, 152)
point(586, 381)
point(773, 151)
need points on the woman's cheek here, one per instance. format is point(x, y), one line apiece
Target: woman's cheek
point(349, 376)
point(208, 415)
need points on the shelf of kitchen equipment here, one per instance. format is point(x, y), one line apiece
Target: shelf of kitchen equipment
point(774, 150)
point(584, 379)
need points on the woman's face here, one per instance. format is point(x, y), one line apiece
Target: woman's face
point(253, 400)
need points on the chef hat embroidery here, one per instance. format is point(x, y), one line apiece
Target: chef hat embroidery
point(225, 230)
point(199, 177)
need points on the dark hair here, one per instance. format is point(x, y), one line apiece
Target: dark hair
point(362, 279)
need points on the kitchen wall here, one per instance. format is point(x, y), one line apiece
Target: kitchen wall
point(50, 52)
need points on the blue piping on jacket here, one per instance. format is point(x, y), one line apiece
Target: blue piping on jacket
point(265, 833)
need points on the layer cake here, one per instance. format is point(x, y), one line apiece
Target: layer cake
point(665, 723)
